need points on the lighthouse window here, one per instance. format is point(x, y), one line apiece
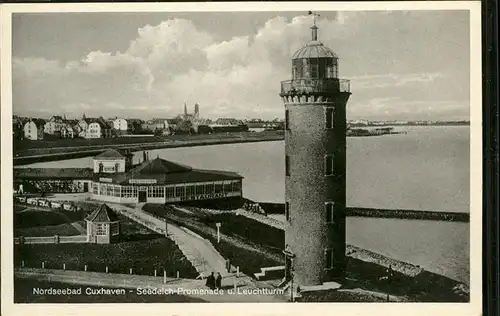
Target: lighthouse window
point(287, 120)
point(329, 112)
point(287, 211)
point(329, 258)
point(328, 165)
point(314, 71)
point(329, 210)
point(287, 165)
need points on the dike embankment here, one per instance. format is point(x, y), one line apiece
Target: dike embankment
point(279, 208)
point(34, 155)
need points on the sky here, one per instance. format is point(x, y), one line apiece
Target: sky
point(403, 65)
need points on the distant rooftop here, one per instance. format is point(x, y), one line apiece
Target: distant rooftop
point(167, 172)
point(110, 153)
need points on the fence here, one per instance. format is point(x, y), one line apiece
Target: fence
point(79, 239)
point(89, 269)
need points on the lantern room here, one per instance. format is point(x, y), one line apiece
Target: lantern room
point(314, 61)
point(315, 70)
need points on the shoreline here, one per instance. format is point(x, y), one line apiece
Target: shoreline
point(55, 151)
point(82, 153)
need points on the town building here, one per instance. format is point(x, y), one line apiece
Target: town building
point(83, 126)
point(54, 125)
point(191, 117)
point(34, 129)
point(121, 125)
point(17, 129)
point(315, 166)
point(67, 131)
point(98, 128)
point(103, 225)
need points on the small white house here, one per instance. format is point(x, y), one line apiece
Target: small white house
point(93, 130)
point(33, 129)
point(120, 124)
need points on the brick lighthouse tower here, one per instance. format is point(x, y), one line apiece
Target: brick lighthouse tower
point(315, 165)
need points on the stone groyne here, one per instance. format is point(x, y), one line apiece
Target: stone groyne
point(279, 208)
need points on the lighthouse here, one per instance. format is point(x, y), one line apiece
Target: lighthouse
point(315, 165)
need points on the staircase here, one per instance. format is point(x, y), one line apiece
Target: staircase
point(270, 273)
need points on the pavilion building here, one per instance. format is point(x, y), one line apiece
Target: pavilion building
point(116, 179)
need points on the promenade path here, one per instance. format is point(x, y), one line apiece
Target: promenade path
point(199, 251)
point(185, 287)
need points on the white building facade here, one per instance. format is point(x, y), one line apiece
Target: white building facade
point(120, 124)
point(33, 131)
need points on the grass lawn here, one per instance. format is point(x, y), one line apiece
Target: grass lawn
point(19, 208)
point(139, 248)
point(36, 218)
point(250, 229)
point(46, 231)
point(23, 293)
point(144, 256)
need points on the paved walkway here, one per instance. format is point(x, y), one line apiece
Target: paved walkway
point(199, 251)
point(190, 288)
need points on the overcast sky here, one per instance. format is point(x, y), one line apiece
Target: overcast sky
point(402, 65)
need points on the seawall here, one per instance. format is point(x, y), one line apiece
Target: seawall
point(31, 156)
point(279, 208)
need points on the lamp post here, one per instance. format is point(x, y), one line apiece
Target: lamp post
point(389, 279)
point(218, 231)
point(289, 255)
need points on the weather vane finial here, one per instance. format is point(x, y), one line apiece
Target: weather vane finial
point(314, 14)
point(314, 28)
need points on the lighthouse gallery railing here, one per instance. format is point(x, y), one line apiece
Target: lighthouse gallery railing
point(300, 86)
